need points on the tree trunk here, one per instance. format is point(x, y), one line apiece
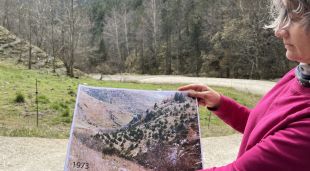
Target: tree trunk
point(126, 33)
point(116, 36)
point(168, 55)
point(143, 62)
point(52, 34)
point(5, 21)
point(72, 41)
point(30, 37)
point(154, 9)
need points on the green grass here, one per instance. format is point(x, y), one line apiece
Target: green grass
point(56, 99)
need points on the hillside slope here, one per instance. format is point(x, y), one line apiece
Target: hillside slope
point(17, 49)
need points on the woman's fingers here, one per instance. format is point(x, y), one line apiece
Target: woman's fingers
point(195, 87)
point(205, 95)
point(199, 95)
point(186, 87)
point(201, 102)
point(206, 98)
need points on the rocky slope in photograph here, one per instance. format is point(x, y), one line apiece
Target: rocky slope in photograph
point(168, 129)
point(107, 110)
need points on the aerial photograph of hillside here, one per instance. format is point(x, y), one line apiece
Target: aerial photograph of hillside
point(134, 130)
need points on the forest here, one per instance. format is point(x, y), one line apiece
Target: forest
point(211, 38)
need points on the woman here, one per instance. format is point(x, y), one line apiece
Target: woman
point(276, 133)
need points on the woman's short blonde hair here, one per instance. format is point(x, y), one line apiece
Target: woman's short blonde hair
point(283, 12)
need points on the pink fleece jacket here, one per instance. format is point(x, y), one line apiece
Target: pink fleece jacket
point(276, 132)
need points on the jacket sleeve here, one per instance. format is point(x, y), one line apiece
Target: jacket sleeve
point(233, 113)
point(285, 150)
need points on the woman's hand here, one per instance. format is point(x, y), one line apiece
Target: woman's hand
point(205, 95)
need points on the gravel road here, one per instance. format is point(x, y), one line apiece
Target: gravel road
point(254, 86)
point(40, 154)
point(32, 154)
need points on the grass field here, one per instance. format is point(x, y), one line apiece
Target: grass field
point(56, 97)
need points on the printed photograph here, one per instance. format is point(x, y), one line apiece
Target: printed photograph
point(134, 130)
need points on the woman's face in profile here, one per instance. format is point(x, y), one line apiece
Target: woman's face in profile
point(296, 39)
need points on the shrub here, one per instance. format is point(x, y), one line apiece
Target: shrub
point(19, 98)
point(66, 112)
point(60, 106)
point(55, 106)
point(43, 99)
point(71, 93)
point(67, 120)
point(109, 150)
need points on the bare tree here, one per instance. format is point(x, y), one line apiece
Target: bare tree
point(67, 21)
point(71, 39)
point(52, 23)
point(112, 35)
point(6, 14)
point(20, 14)
point(30, 22)
point(155, 26)
point(151, 30)
point(40, 12)
point(116, 33)
point(125, 18)
point(2, 11)
point(73, 25)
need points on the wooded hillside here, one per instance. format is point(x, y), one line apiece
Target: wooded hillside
point(214, 38)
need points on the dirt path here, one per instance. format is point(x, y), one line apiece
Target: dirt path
point(32, 154)
point(254, 86)
point(40, 154)
point(219, 151)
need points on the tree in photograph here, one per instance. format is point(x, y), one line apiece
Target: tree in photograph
point(148, 142)
point(179, 97)
point(158, 158)
point(131, 147)
point(155, 136)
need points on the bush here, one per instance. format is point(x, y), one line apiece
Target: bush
point(66, 112)
point(109, 150)
point(55, 106)
point(66, 120)
point(19, 98)
point(60, 106)
point(43, 99)
point(71, 93)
